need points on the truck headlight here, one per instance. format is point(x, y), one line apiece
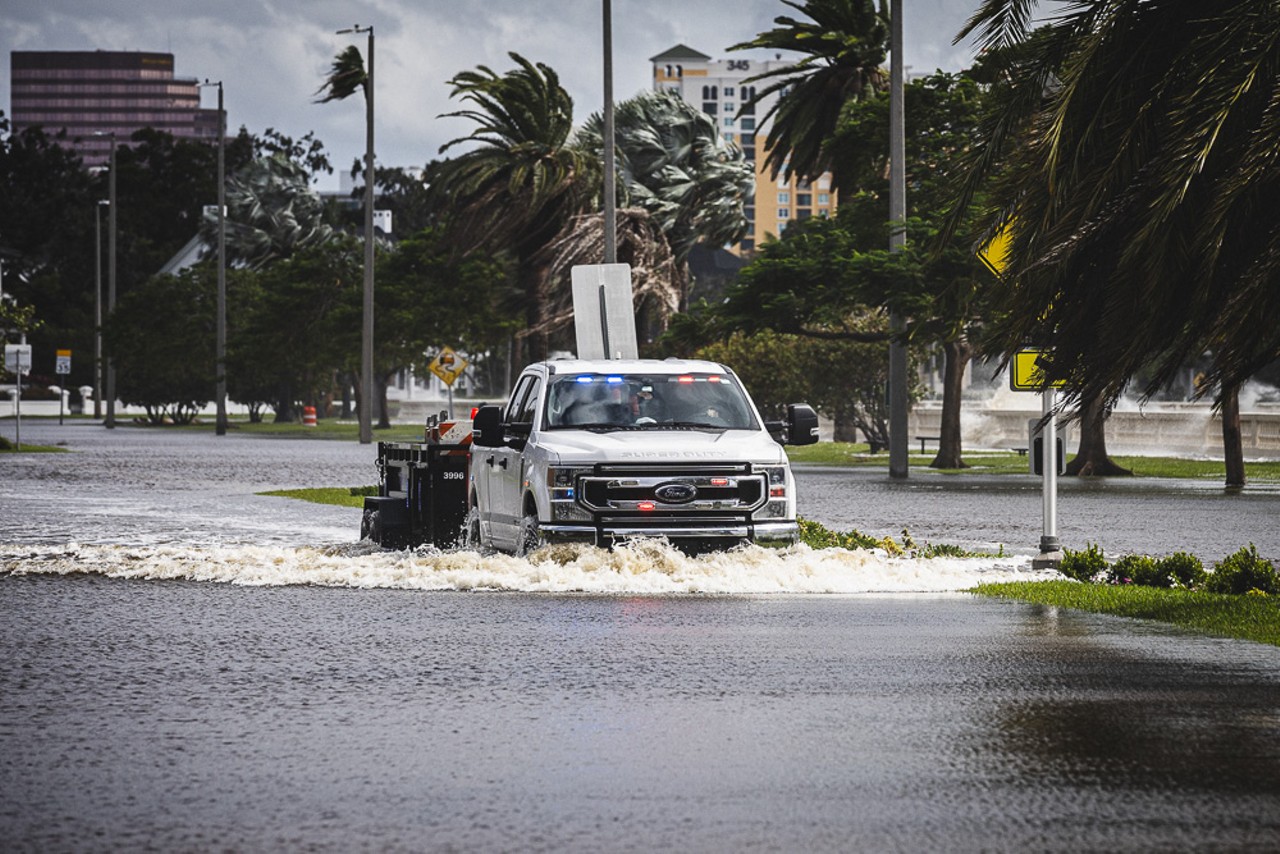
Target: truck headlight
point(562, 488)
point(776, 486)
point(775, 480)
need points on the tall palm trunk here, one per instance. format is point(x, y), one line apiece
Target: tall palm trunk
point(1091, 457)
point(1232, 441)
point(956, 355)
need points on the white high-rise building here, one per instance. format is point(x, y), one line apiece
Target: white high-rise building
point(716, 87)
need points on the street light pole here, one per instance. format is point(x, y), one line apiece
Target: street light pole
point(898, 467)
point(366, 332)
point(610, 189)
point(110, 421)
point(220, 370)
point(97, 308)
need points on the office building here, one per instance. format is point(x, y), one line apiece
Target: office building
point(92, 94)
point(717, 87)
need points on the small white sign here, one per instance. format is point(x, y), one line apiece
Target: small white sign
point(17, 358)
point(63, 365)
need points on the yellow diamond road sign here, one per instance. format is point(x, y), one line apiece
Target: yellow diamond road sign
point(1026, 371)
point(448, 366)
point(995, 253)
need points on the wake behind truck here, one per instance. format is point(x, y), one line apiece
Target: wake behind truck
point(598, 451)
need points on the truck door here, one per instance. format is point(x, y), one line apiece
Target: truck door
point(508, 472)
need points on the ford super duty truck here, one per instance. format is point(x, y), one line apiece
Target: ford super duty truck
point(598, 451)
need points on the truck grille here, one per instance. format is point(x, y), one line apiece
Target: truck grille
point(672, 490)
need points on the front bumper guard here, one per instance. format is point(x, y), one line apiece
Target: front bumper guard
point(770, 534)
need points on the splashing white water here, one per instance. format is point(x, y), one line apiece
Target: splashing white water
point(643, 567)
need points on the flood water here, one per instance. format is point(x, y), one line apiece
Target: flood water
point(190, 666)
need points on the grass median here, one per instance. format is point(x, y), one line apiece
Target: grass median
point(1254, 618)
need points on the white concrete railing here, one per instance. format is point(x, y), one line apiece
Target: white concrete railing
point(1164, 428)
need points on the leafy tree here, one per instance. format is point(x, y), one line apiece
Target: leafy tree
point(291, 336)
point(1131, 155)
point(46, 244)
point(844, 45)
point(523, 181)
point(427, 297)
point(779, 369)
point(164, 356)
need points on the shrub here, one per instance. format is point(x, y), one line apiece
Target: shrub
point(1242, 572)
point(1182, 570)
point(5, 444)
point(1082, 565)
point(1136, 569)
point(818, 536)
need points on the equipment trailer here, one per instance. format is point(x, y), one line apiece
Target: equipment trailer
point(422, 492)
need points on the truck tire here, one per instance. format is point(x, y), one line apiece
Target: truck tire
point(371, 526)
point(469, 540)
point(531, 538)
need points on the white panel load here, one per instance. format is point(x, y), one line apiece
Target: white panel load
point(604, 319)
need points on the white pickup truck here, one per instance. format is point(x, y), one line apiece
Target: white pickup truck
point(604, 450)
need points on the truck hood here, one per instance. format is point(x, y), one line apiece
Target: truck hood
point(571, 447)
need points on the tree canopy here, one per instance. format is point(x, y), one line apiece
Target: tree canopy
point(1132, 158)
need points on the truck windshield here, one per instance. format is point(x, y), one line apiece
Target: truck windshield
point(638, 402)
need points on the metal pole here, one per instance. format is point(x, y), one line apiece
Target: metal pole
point(110, 422)
point(366, 336)
point(1050, 548)
point(220, 427)
point(97, 309)
point(898, 467)
point(610, 188)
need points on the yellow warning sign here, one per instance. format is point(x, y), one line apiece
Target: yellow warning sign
point(448, 366)
point(1026, 371)
point(995, 253)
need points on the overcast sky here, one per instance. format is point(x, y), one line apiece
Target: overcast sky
point(273, 54)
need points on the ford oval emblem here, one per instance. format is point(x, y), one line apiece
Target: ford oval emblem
point(676, 493)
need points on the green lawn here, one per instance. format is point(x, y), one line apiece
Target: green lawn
point(1008, 462)
point(1255, 618)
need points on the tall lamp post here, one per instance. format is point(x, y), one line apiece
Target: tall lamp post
point(610, 190)
point(97, 308)
point(366, 332)
point(898, 467)
point(110, 421)
point(220, 370)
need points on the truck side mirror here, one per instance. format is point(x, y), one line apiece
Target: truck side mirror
point(486, 427)
point(516, 434)
point(802, 424)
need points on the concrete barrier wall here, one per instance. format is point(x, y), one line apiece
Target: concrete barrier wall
point(1170, 428)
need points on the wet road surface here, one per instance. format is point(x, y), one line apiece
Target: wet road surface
point(148, 711)
point(183, 716)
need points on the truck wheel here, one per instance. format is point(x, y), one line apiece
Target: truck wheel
point(531, 538)
point(470, 539)
point(371, 526)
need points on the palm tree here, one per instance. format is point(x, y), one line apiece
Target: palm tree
point(658, 279)
point(272, 212)
point(845, 45)
point(675, 164)
point(1133, 156)
point(523, 181)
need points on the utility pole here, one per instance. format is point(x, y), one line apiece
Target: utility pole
point(610, 183)
point(220, 427)
point(110, 421)
point(898, 468)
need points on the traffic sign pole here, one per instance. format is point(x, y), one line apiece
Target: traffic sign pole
point(1050, 556)
point(63, 369)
